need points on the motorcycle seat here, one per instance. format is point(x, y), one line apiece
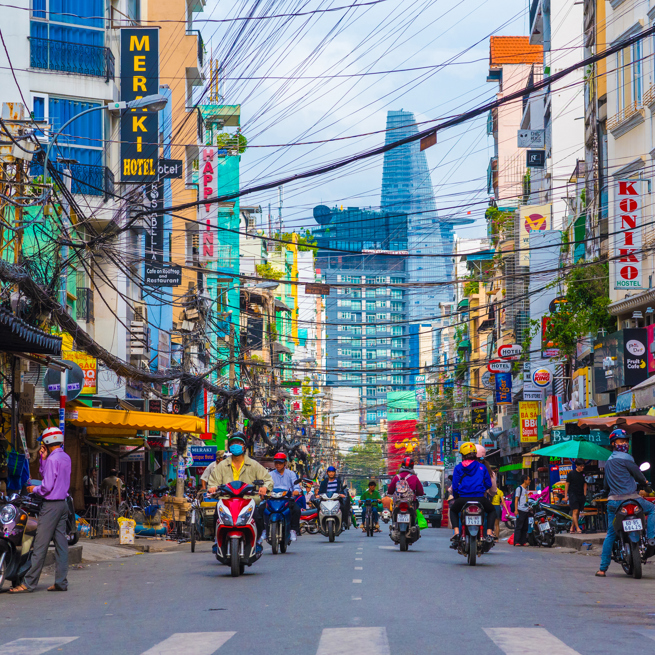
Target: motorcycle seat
point(308, 512)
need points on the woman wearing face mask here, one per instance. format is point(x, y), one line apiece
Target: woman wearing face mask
point(238, 466)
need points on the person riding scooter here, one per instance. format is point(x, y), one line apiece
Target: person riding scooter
point(373, 495)
point(333, 485)
point(284, 478)
point(471, 481)
point(406, 472)
point(621, 478)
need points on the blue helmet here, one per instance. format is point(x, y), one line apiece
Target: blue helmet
point(618, 434)
point(331, 468)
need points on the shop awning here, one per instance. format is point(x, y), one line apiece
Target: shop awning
point(630, 424)
point(644, 394)
point(281, 307)
point(625, 402)
point(17, 336)
point(121, 422)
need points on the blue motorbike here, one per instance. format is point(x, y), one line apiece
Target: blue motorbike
point(278, 516)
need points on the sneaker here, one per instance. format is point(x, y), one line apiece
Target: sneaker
point(454, 541)
point(262, 537)
point(294, 536)
point(215, 549)
point(259, 548)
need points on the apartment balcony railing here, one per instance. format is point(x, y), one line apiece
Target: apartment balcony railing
point(622, 116)
point(649, 96)
point(84, 304)
point(91, 60)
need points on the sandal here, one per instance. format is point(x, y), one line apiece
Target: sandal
point(55, 587)
point(601, 574)
point(20, 589)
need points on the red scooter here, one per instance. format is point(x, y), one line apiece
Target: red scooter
point(236, 533)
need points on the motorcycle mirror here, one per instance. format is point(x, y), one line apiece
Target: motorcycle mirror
point(258, 483)
point(645, 466)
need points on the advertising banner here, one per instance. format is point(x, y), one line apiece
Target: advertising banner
point(529, 417)
point(139, 127)
point(503, 388)
point(153, 198)
point(627, 228)
point(635, 356)
point(531, 218)
point(479, 414)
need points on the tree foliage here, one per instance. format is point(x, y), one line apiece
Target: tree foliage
point(365, 462)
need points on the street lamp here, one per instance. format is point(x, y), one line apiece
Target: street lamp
point(268, 284)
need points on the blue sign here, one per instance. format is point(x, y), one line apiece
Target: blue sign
point(202, 455)
point(503, 388)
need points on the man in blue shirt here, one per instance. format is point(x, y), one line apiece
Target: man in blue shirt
point(284, 478)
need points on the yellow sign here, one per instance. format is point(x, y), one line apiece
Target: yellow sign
point(529, 417)
point(87, 363)
point(532, 218)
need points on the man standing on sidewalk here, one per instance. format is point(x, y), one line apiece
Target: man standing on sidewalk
point(575, 493)
point(521, 510)
point(55, 469)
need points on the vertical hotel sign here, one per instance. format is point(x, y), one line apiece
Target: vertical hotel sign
point(209, 212)
point(628, 225)
point(139, 127)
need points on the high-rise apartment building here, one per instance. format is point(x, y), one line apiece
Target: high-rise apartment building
point(366, 315)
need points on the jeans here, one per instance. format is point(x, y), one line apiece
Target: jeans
point(612, 506)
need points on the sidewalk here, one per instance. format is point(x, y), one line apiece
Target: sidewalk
point(581, 542)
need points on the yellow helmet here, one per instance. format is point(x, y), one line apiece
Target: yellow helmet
point(467, 448)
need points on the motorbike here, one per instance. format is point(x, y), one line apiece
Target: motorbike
point(236, 532)
point(386, 516)
point(561, 520)
point(309, 521)
point(542, 530)
point(278, 518)
point(330, 519)
point(508, 516)
point(473, 543)
point(367, 518)
point(404, 530)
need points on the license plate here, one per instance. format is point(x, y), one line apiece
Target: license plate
point(632, 525)
point(473, 520)
point(544, 527)
point(403, 518)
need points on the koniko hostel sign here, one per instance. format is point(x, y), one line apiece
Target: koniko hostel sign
point(531, 218)
point(529, 416)
point(627, 228)
point(139, 127)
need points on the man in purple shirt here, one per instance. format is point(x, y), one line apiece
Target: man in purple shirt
point(55, 468)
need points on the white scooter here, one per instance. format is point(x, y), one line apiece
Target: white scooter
point(330, 519)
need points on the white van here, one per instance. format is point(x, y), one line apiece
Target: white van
point(431, 504)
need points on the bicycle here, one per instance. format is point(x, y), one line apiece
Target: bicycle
point(195, 519)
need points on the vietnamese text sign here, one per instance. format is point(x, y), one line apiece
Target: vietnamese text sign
point(317, 289)
point(89, 366)
point(139, 127)
point(531, 218)
point(627, 228)
point(529, 417)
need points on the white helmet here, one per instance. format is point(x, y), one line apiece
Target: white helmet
point(52, 437)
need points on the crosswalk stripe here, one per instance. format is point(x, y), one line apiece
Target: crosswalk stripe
point(34, 645)
point(190, 643)
point(528, 641)
point(354, 641)
point(650, 633)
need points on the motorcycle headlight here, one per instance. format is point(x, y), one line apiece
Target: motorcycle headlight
point(225, 517)
point(7, 514)
point(244, 516)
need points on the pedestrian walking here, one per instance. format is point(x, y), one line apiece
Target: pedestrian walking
point(55, 468)
point(575, 493)
point(497, 502)
point(521, 510)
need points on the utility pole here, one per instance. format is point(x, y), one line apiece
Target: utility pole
point(232, 371)
point(279, 210)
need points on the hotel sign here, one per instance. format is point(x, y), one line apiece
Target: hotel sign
point(208, 214)
point(627, 229)
point(139, 127)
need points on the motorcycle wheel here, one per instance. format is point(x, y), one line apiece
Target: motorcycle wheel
point(472, 550)
point(312, 529)
point(192, 530)
point(403, 541)
point(636, 560)
point(273, 531)
point(549, 539)
point(283, 541)
point(626, 559)
point(331, 531)
point(510, 524)
point(3, 567)
point(235, 564)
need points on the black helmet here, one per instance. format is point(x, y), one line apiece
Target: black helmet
point(236, 437)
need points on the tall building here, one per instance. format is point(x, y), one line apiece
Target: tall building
point(407, 189)
point(366, 319)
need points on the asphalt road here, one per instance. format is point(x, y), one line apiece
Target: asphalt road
point(359, 596)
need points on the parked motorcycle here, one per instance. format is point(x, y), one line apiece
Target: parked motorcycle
point(278, 517)
point(543, 531)
point(309, 521)
point(472, 543)
point(236, 533)
point(330, 519)
point(404, 530)
point(508, 517)
point(386, 516)
point(561, 520)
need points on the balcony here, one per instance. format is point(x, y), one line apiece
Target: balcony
point(623, 121)
point(84, 304)
point(91, 60)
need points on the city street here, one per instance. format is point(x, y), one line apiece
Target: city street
point(357, 596)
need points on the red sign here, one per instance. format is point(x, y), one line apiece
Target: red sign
point(499, 366)
point(628, 227)
point(510, 351)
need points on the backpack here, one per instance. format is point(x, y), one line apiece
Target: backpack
point(403, 492)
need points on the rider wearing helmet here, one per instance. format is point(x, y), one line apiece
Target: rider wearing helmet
point(406, 472)
point(55, 468)
point(331, 484)
point(621, 478)
point(284, 478)
point(471, 481)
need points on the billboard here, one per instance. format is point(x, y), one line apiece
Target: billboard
point(627, 228)
point(503, 388)
point(139, 127)
point(531, 218)
point(529, 416)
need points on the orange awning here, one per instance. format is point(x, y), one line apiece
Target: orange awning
point(630, 424)
point(122, 421)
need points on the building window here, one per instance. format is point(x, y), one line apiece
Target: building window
point(396, 330)
point(344, 315)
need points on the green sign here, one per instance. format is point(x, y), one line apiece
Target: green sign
point(510, 467)
point(598, 437)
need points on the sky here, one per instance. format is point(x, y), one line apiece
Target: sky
point(282, 73)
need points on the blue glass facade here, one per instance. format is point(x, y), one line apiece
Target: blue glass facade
point(367, 341)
